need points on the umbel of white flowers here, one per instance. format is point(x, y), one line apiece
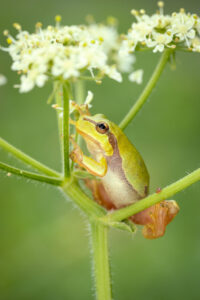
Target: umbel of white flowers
point(97, 50)
point(159, 31)
point(67, 52)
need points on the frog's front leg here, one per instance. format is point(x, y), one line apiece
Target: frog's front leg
point(96, 168)
point(156, 218)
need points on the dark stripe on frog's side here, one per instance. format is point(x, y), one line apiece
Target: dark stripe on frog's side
point(115, 161)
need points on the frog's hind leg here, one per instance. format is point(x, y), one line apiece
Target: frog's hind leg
point(156, 218)
point(99, 193)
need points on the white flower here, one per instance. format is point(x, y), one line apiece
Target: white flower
point(141, 30)
point(160, 21)
point(3, 79)
point(182, 26)
point(195, 43)
point(123, 58)
point(107, 35)
point(124, 61)
point(89, 99)
point(136, 76)
point(113, 47)
point(159, 41)
point(113, 73)
point(65, 67)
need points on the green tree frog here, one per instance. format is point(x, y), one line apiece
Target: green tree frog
point(124, 178)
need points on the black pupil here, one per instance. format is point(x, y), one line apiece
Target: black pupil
point(102, 126)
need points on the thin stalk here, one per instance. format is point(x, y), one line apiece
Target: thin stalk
point(52, 96)
point(89, 206)
point(79, 92)
point(147, 90)
point(27, 159)
point(79, 97)
point(101, 261)
point(66, 130)
point(58, 99)
point(12, 170)
point(165, 193)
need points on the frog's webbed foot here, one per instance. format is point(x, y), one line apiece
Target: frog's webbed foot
point(156, 218)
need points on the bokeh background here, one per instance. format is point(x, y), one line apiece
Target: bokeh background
point(44, 249)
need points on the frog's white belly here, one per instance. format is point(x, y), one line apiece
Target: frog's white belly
point(118, 189)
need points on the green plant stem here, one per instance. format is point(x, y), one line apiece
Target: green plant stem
point(165, 193)
point(66, 93)
point(12, 170)
point(79, 97)
point(99, 238)
point(101, 261)
point(89, 206)
point(52, 96)
point(147, 90)
point(93, 210)
point(58, 99)
point(79, 92)
point(27, 159)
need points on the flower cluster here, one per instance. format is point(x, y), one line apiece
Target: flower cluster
point(66, 52)
point(178, 30)
point(112, 46)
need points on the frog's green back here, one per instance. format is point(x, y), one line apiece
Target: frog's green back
point(132, 162)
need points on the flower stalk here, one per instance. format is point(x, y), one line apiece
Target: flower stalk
point(66, 165)
point(147, 90)
point(33, 176)
point(27, 159)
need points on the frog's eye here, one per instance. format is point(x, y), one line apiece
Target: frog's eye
point(102, 127)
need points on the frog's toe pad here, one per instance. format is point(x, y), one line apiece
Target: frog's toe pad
point(76, 155)
point(156, 218)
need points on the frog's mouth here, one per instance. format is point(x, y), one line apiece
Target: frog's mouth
point(91, 140)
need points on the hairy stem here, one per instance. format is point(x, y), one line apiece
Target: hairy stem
point(66, 93)
point(101, 261)
point(165, 193)
point(27, 159)
point(147, 90)
point(33, 176)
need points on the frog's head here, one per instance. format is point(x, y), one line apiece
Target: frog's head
point(97, 132)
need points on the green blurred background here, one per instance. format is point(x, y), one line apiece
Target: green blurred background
point(44, 249)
